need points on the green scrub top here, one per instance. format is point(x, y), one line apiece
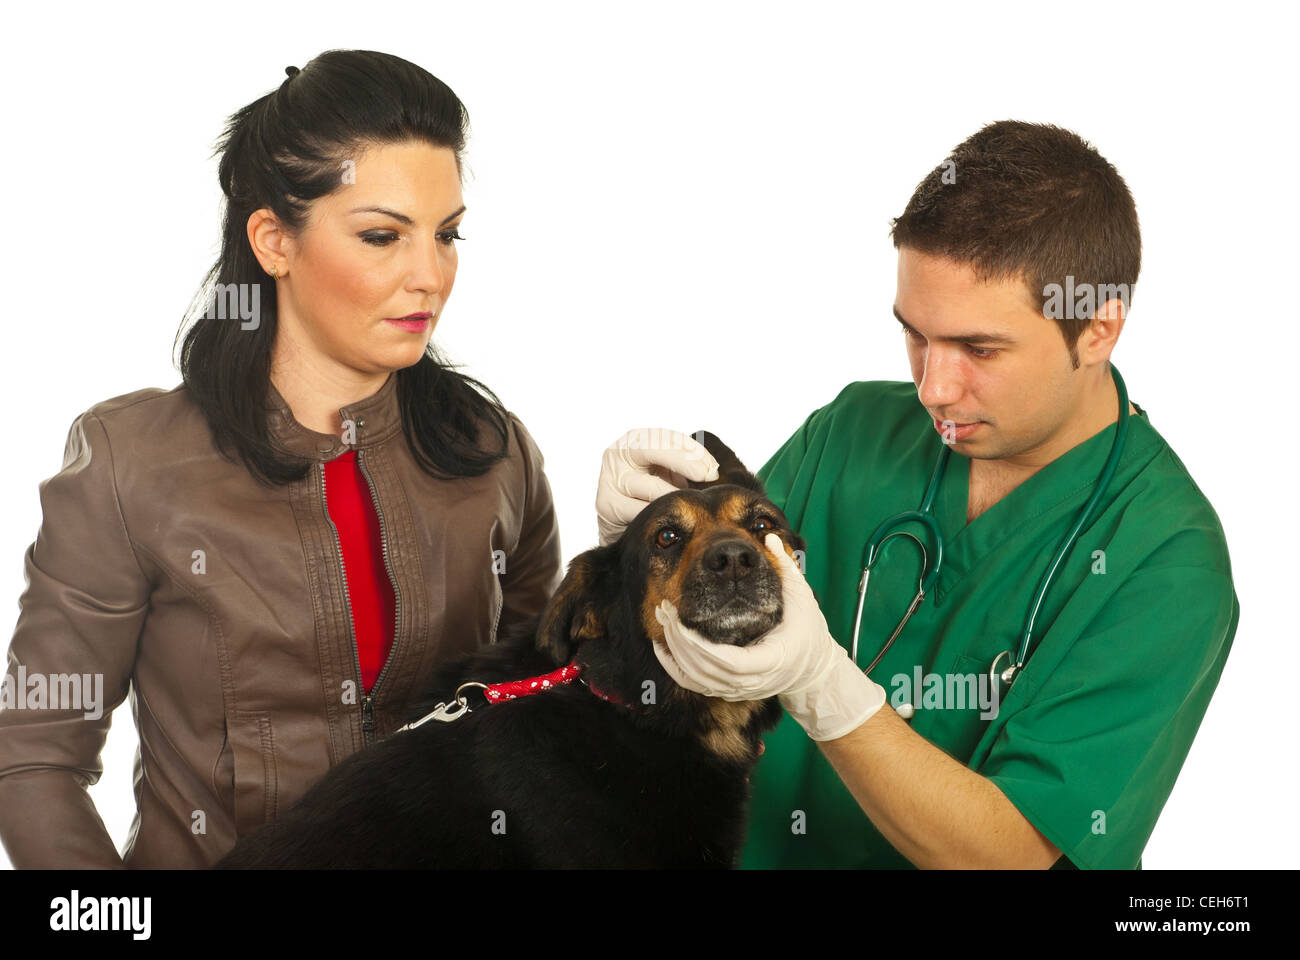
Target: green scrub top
point(1127, 648)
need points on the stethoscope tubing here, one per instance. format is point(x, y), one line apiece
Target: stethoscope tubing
point(925, 515)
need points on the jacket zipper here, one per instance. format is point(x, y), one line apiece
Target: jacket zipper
point(367, 699)
point(397, 594)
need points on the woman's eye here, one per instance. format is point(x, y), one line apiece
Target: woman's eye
point(446, 237)
point(666, 537)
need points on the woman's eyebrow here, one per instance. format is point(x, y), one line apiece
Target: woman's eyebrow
point(401, 217)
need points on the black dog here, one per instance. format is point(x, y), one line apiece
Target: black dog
point(620, 768)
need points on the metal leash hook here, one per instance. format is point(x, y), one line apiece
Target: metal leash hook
point(447, 711)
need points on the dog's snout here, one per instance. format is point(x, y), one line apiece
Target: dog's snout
point(732, 559)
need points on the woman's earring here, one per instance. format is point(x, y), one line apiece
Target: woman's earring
point(275, 273)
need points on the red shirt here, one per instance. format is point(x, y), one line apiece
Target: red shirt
point(370, 590)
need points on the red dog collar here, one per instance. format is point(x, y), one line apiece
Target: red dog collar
point(514, 689)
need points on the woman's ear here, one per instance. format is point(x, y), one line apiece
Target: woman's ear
point(574, 614)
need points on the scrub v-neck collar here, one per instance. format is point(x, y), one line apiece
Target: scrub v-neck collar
point(1069, 477)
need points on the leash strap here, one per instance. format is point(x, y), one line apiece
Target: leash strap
point(511, 690)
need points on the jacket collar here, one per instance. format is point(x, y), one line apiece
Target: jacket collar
point(375, 419)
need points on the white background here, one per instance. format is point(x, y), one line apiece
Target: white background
point(683, 210)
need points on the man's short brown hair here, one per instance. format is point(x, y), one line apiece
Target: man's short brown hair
point(1033, 201)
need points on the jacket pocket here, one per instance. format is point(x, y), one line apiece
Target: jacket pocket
point(252, 746)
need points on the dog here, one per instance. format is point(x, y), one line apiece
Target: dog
point(621, 768)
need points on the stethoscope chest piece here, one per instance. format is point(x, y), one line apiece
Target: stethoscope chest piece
point(1007, 675)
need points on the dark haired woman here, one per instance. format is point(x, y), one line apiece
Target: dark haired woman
point(272, 555)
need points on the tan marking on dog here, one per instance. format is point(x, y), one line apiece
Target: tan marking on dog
point(734, 510)
point(734, 507)
point(692, 519)
point(727, 739)
point(591, 628)
point(726, 734)
point(560, 606)
point(566, 617)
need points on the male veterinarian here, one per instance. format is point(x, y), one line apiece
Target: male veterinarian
point(928, 761)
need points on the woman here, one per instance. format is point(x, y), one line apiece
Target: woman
point(272, 555)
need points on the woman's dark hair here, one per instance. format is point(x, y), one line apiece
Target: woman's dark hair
point(281, 152)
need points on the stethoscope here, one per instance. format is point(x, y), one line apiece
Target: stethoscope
point(926, 517)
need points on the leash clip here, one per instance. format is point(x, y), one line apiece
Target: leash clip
point(446, 712)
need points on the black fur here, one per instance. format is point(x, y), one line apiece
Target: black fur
point(559, 779)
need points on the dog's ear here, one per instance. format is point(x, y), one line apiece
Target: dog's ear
point(730, 469)
point(574, 613)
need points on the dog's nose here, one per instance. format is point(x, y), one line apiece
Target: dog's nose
point(731, 558)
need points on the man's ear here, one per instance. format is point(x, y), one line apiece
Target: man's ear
point(573, 614)
point(730, 469)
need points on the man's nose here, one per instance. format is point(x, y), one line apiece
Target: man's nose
point(940, 380)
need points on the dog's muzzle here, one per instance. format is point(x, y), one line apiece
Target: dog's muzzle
point(733, 594)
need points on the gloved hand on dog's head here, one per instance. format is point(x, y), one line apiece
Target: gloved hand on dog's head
point(641, 466)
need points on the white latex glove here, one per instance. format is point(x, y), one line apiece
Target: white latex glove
point(797, 660)
point(643, 465)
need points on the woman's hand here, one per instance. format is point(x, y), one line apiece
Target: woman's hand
point(641, 466)
point(797, 660)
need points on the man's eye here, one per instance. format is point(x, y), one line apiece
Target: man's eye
point(666, 537)
point(980, 353)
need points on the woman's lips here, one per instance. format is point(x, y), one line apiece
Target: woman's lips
point(956, 432)
point(414, 326)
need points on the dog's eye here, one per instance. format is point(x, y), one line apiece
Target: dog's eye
point(764, 523)
point(666, 537)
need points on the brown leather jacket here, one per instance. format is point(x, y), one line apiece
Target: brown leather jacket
point(220, 605)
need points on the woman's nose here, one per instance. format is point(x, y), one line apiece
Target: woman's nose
point(430, 271)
